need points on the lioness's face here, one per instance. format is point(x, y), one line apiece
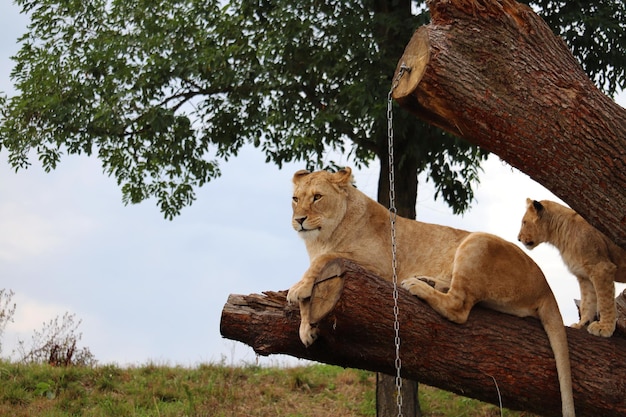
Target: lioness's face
point(531, 233)
point(318, 203)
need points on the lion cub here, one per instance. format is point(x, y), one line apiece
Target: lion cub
point(336, 220)
point(594, 259)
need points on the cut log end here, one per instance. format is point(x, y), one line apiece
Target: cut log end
point(414, 60)
point(326, 290)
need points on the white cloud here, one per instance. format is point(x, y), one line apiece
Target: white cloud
point(24, 235)
point(30, 315)
point(37, 217)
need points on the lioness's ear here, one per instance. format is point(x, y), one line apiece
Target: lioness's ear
point(344, 176)
point(538, 206)
point(298, 175)
point(529, 202)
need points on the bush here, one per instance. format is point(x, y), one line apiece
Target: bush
point(56, 344)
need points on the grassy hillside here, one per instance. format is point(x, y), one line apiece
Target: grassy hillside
point(206, 390)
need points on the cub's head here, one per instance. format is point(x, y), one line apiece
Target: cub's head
point(533, 230)
point(319, 202)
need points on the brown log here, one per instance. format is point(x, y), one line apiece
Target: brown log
point(491, 348)
point(493, 73)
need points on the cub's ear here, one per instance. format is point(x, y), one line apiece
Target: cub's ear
point(344, 176)
point(299, 175)
point(538, 206)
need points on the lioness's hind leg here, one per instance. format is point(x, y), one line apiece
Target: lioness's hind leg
point(452, 305)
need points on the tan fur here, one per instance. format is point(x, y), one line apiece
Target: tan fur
point(594, 259)
point(337, 220)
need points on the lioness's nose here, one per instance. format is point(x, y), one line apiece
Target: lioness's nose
point(301, 220)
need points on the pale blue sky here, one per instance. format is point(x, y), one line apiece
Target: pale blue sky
point(148, 289)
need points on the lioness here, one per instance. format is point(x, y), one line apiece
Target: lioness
point(337, 220)
point(594, 259)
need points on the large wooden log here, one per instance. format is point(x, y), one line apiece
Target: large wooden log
point(492, 354)
point(493, 73)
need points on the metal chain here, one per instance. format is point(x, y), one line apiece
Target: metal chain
point(392, 220)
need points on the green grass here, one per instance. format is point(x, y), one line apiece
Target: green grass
point(207, 390)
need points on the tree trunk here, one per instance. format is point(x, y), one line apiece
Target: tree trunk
point(493, 73)
point(493, 355)
point(405, 184)
point(387, 397)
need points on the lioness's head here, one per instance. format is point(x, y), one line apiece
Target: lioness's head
point(533, 230)
point(319, 202)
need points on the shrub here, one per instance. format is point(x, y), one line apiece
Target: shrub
point(56, 344)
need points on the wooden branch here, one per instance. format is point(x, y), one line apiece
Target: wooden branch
point(466, 359)
point(493, 73)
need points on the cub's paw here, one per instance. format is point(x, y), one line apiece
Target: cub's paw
point(308, 334)
point(601, 329)
point(579, 325)
point(299, 291)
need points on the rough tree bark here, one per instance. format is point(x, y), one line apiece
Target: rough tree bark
point(354, 312)
point(493, 73)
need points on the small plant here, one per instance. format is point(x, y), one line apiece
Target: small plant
point(45, 389)
point(56, 344)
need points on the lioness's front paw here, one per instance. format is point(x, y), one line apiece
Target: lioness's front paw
point(299, 291)
point(415, 286)
point(308, 334)
point(408, 283)
point(601, 329)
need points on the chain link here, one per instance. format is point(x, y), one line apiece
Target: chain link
point(392, 221)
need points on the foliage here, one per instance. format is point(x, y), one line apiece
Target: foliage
point(161, 91)
point(207, 390)
point(7, 311)
point(57, 344)
point(595, 33)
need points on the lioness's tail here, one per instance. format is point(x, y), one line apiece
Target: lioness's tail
point(553, 325)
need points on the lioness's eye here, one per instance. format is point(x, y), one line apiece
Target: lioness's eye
point(294, 199)
point(317, 197)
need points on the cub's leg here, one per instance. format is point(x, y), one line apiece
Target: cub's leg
point(602, 277)
point(455, 305)
point(588, 303)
